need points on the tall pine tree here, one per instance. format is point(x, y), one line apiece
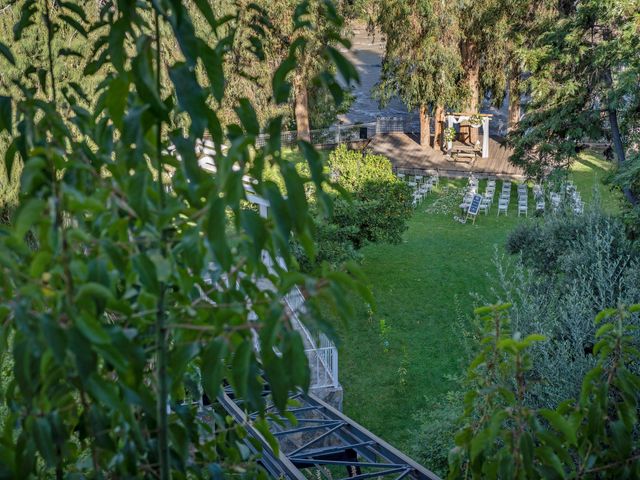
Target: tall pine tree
point(422, 63)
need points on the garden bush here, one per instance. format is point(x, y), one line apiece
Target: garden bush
point(377, 210)
point(564, 270)
point(592, 435)
point(570, 267)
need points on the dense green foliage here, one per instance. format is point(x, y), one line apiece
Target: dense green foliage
point(377, 210)
point(571, 268)
point(422, 63)
point(593, 435)
point(143, 271)
point(584, 65)
point(252, 42)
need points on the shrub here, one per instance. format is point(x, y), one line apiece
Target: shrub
point(352, 169)
point(378, 210)
point(569, 269)
point(592, 435)
point(433, 437)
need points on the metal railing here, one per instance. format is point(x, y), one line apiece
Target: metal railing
point(321, 351)
point(337, 134)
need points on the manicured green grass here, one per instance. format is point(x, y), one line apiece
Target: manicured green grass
point(421, 286)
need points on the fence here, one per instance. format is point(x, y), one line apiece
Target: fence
point(357, 132)
point(321, 351)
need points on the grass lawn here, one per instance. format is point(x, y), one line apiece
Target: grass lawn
point(421, 286)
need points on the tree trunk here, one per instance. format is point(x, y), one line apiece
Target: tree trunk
point(514, 102)
point(301, 109)
point(425, 131)
point(618, 146)
point(471, 67)
point(438, 124)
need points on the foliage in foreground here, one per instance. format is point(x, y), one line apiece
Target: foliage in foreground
point(145, 266)
point(593, 436)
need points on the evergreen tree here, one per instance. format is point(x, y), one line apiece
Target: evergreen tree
point(422, 61)
point(486, 50)
point(584, 73)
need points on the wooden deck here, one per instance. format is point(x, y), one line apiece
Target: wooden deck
point(405, 152)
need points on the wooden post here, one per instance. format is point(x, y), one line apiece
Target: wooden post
point(485, 137)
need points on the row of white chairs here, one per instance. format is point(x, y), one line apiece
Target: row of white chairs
point(568, 193)
point(505, 198)
point(421, 186)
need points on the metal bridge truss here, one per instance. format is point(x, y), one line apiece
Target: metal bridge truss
point(324, 439)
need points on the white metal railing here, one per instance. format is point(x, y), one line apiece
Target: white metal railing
point(321, 351)
point(319, 348)
point(341, 133)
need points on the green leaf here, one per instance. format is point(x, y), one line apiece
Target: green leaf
point(212, 365)
point(299, 363)
point(6, 117)
point(146, 271)
point(549, 458)
point(10, 157)
point(247, 116)
point(240, 368)
point(344, 66)
point(558, 422)
point(212, 60)
point(282, 88)
point(606, 313)
point(116, 99)
point(104, 392)
point(184, 32)
point(263, 427)
point(28, 215)
point(91, 329)
point(145, 78)
point(526, 447)
point(44, 440)
point(6, 53)
point(207, 13)
point(191, 97)
point(117, 35)
point(40, 263)
point(216, 222)
point(95, 292)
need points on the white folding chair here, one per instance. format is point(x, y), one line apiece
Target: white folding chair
point(484, 205)
point(503, 206)
point(523, 208)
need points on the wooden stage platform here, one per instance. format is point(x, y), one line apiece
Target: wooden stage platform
point(406, 153)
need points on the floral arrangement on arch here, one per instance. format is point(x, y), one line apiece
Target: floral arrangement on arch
point(475, 120)
point(449, 134)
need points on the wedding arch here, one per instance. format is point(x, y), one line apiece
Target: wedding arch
point(453, 118)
